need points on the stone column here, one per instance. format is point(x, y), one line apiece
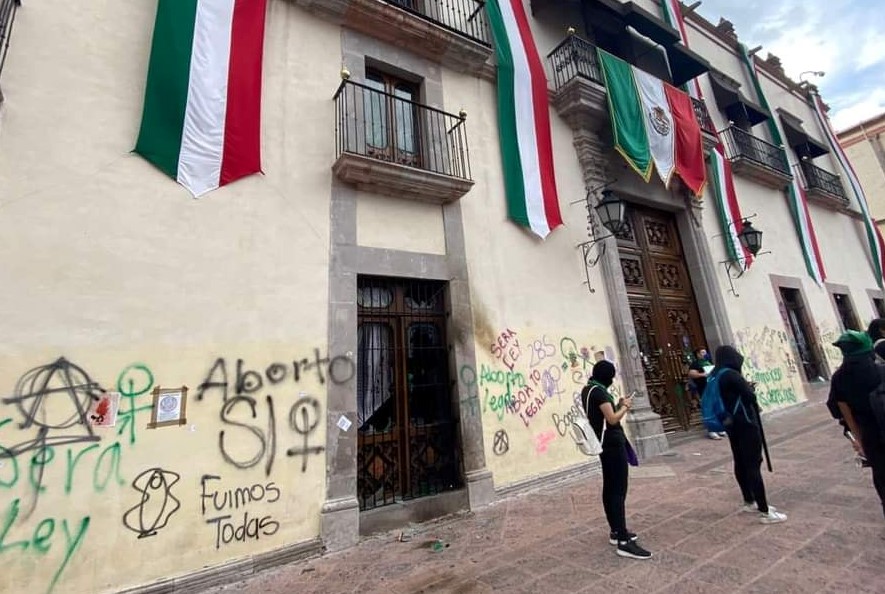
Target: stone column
point(480, 486)
point(339, 516)
point(645, 425)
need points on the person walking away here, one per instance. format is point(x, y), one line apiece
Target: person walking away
point(850, 388)
point(698, 372)
point(744, 433)
point(603, 410)
point(876, 330)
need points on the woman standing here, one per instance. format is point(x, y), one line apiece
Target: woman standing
point(744, 433)
point(602, 409)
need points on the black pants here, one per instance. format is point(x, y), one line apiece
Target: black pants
point(614, 488)
point(874, 449)
point(746, 448)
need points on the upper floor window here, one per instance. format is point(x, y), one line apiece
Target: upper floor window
point(391, 119)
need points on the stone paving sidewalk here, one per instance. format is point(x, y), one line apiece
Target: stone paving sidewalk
point(685, 509)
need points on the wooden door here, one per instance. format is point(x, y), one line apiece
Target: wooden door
point(665, 314)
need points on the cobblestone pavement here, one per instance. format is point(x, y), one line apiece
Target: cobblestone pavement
point(684, 507)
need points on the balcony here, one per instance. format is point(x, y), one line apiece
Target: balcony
point(579, 91)
point(706, 122)
point(452, 32)
point(389, 145)
point(755, 158)
point(823, 187)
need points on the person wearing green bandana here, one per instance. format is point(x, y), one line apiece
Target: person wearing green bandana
point(604, 410)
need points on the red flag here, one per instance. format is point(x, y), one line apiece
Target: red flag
point(689, 142)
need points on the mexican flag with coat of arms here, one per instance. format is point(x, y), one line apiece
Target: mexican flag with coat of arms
point(654, 125)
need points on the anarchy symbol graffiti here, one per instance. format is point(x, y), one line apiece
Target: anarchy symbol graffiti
point(501, 442)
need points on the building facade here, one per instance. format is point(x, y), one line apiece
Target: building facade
point(863, 145)
point(359, 337)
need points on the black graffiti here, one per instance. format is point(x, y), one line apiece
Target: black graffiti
point(266, 442)
point(70, 391)
point(338, 369)
point(303, 422)
point(240, 530)
point(237, 497)
point(157, 503)
point(563, 423)
point(501, 443)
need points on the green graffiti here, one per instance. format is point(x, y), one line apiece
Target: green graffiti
point(72, 463)
point(487, 375)
point(113, 468)
point(42, 457)
point(5, 454)
point(134, 381)
point(41, 539)
point(112, 452)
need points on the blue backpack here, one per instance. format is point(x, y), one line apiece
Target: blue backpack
point(713, 412)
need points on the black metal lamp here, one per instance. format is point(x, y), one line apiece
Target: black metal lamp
point(750, 237)
point(610, 211)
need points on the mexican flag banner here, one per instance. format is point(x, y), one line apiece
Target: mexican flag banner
point(202, 105)
point(523, 121)
point(874, 237)
point(653, 124)
point(797, 200)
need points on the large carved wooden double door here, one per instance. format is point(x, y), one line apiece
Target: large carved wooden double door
point(665, 314)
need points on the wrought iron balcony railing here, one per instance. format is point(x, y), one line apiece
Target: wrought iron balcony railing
point(388, 128)
point(741, 145)
point(822, 180)
point(574, 57)
point(7, 18)
point(703, 116)
point(465, 17)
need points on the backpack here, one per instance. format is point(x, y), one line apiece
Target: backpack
point(716, 418)
point(582, 431)
point(877, 400)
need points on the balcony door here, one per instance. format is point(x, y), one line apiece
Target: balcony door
point(391, 116)
point(665, 314)
point(407, 432)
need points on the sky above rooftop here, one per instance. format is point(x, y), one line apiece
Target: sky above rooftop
point(844, 38)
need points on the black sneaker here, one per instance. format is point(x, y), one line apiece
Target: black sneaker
point(632, 550)
point(613, 537)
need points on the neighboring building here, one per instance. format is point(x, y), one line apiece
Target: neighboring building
point(365, 338)
point(864, 147)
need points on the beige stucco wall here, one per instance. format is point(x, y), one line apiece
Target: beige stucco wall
point(532, 313)
point(869, 172)
point(108, 263)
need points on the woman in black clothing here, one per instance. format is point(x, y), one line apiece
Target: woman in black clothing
point(601, 407)
point(850, 389)
point(744, 433)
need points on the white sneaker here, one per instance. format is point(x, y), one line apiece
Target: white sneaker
point(772, 517)
point(713, 435)
point(723, 434)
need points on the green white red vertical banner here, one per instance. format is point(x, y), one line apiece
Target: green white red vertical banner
point(874, 237)
point(202, 108)
point(798, 203)
point(524, 121)
point(672, 11)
